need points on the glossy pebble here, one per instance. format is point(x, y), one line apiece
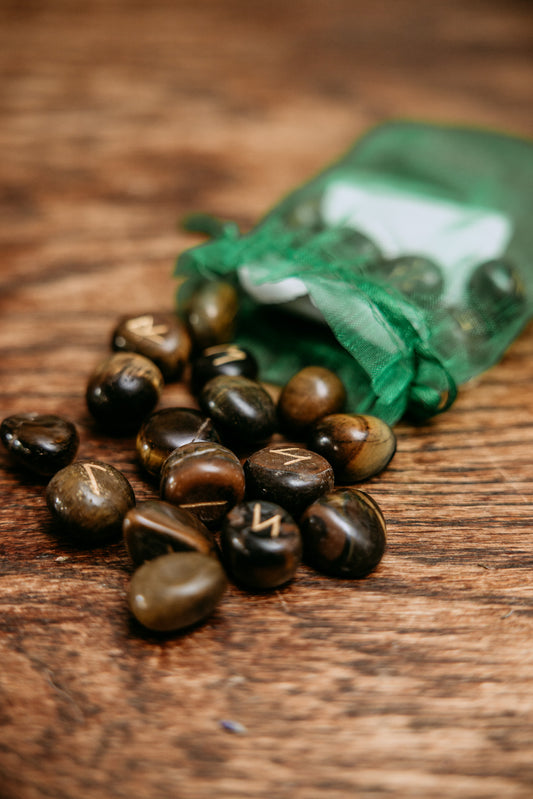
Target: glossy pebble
point(176, 590)
point(344, 533)
point(357, 446)
point(212, 313)
point(41, 443)
point(222, 359)
point(123, 390)
point(88, 500)
point(261, 545)
point(310, 394)
point(415, 276)
point(497, 289)
point(206, 479)
point(153, 528)
point(165, 430)
point(161, 337)
point(241, 409)
point(288, 475)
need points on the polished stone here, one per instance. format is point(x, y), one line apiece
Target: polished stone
point(357, 446)
point(155, 528)
point(211, 313)
point(41, 443)
point(311, 393)
point(204, 478)
point(88, 501)
point(241, 409)
point(176, 590)
point(123, 390)
point(223, 359)
point(161, 337)
point(261, 545)
point(344, 533)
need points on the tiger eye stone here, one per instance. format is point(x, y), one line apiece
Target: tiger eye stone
point(357, 446)
point(288, 475)
point(223, 359)
point(165, 430)
point(123, 390)
point(41, 443)
point(88, 501)
point(344, 533)
point(206, 479)
point(261, 545)
point(496, 287)
point(415, 276)
point(155, 528)
point(241, 409)
point(176, 590)
point(310, 394)
point(350, 246)
point(161, 337)
point(212, 313)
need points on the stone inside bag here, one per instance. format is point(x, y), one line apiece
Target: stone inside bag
point(405, 266)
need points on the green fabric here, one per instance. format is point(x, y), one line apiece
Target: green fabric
point(458, 196)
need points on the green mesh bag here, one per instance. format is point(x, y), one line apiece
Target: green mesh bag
point(405, 266)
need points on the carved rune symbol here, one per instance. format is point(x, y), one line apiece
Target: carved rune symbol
point(273, 522)
point(229, 353)
point(144, 327)
point(288, 452)
point(89, 469)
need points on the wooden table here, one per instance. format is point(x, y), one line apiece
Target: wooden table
point(117, 119)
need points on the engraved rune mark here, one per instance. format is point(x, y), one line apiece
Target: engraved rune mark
point(202, 504)
point(144, 327)
point(273, 522)
point(233, 353)
point(289, 452)
point(89, 469)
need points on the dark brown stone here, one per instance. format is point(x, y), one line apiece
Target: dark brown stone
point(155, 528)
point(161, 337)
point(242, 410)
point(261, 544)
point(310, 394)
point(88, 501)
point(212, 312)
point(42, 443)
point(176, 590)
point(288, 475)
point(205, 478)
point(169, 428)
point(343, 533)
point(358, 446)
point(123, 390)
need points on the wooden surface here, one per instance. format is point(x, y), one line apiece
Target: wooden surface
point(116, 119)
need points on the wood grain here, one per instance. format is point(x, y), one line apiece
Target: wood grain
point(117, 118)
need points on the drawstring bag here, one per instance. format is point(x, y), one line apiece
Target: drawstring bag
point(405, 267)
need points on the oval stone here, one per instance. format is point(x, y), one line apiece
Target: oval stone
point(223, 359)
point(155, 528)
point(344, 533)
point(176, 590)
point(165, 430)
point(161, 337)
point(310, 394)
point(42, 443)
point(206, 479)
point(261, 544)
point(88, 500)
point(496, 288)
point(242, 410)
point(212, 312)
point(357, 446)
point(416, 276)
point(123, 390)
point(287, 474)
